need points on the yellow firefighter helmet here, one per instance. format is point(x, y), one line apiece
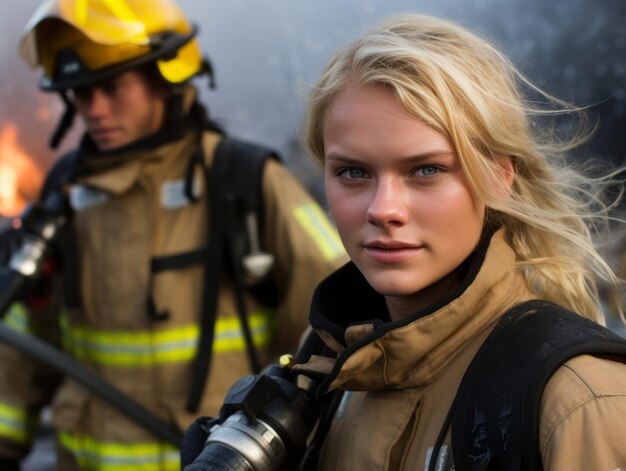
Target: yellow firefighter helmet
point(81, 42)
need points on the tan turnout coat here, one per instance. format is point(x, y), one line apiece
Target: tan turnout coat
point(129, 209)
point(403, 376)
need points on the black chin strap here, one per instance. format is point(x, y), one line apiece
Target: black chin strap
point(65, 123)
point(207, 69)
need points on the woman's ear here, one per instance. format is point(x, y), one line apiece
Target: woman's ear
point(507, 173)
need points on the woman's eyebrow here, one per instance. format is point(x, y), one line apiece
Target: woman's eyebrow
point(341, 158)
point(410, 158)
point(428, 155)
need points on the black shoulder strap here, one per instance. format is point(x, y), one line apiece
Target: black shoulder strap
point(235, 183)
point(244, 174)
point(495, 413)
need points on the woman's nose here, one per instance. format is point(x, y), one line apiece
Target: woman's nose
point(388, 206)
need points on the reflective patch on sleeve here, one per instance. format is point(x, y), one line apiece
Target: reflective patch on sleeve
point(16, 424)
point(97, 455)
point(315, 223)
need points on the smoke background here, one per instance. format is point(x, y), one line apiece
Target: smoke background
point(264, 51)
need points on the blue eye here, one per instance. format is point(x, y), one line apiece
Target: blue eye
point(429, 171)
point(352, 173)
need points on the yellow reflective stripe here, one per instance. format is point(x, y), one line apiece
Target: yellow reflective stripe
point(176, 345)
point(16, 318)
point(139, 348)
point(95, 455)
point(318, 227)
point(16, 424)
point(229, 336)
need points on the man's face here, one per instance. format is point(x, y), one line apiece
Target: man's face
point(121, 110)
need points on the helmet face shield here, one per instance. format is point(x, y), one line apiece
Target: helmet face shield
point(78, 42)
point(183, 66)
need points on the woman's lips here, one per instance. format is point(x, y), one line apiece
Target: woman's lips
point(391, 252)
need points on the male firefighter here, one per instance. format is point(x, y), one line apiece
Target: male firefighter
point(132, 269)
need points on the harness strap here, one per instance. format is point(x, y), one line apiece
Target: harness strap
point(253, 359)
point(213, 263)
point(178, 261)
point(197, 160)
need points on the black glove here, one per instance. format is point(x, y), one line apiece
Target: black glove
point(7, 464)
point(193, 441)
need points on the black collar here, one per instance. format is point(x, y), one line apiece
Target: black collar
point(345, 297)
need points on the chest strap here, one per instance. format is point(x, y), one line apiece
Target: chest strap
point(178, 261)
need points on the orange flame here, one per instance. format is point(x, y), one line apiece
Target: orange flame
point(20, 176)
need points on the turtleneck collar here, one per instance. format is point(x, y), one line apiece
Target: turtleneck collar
point(333, 311)
point(374, 353)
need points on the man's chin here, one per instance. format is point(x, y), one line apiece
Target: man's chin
point(107, 141)
point(108, 145)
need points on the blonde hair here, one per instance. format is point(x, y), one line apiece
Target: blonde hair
point(464, 88)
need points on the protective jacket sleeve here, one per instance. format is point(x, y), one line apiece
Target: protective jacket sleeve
point(582, 415)
point(307, 248)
